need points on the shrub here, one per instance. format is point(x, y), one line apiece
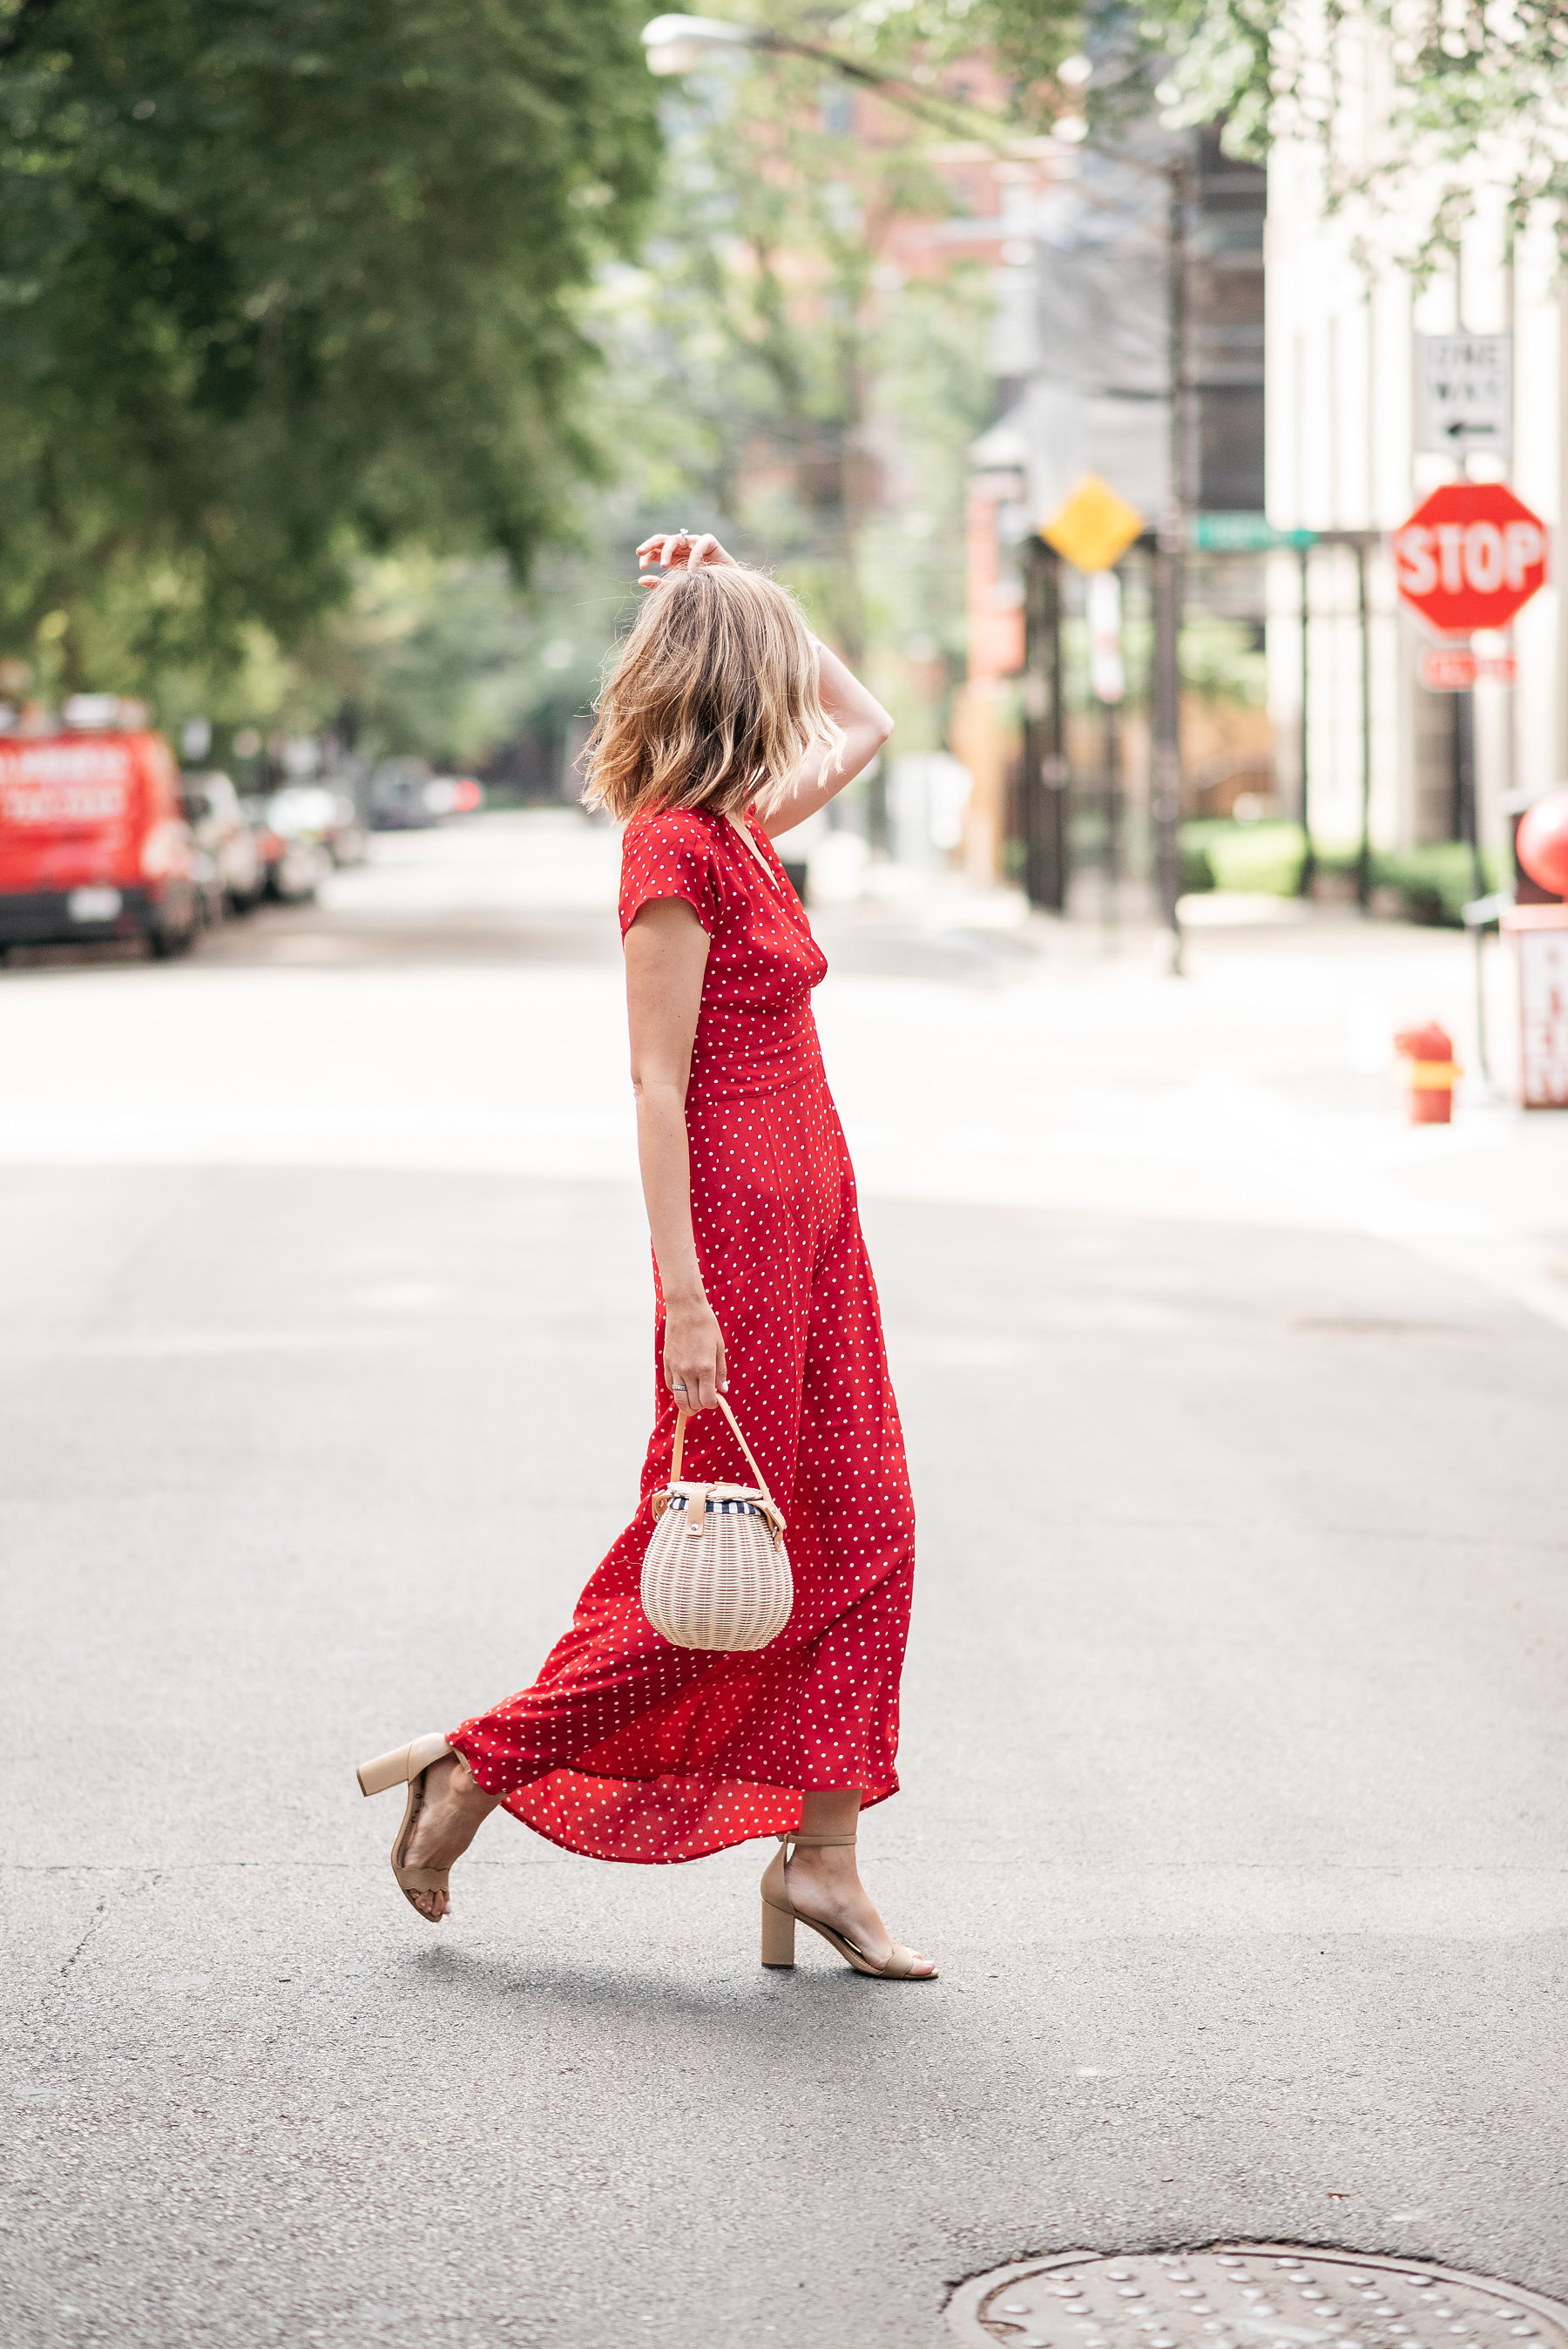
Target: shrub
point(1264, 858)
point(1432, 884)
point(1436, 881)
point(1197, 873)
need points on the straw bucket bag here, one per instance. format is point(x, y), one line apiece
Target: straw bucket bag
point(715, 1574)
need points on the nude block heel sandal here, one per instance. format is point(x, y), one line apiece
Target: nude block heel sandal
point(407, 1767)
point(780, 1917)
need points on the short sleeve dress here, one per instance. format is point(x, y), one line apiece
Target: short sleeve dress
point(626, 1747)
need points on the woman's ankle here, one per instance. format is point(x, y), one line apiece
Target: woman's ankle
point(832, 1812)
point(466, 1788)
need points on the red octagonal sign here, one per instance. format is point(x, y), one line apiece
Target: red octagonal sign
point(1469, 555)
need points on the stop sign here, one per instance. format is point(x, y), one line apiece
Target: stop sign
point(1469, 555)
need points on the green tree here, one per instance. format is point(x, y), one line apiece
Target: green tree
point(283, 280)
point(451, 660)
point(773, 374)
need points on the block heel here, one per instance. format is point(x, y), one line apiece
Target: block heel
point(780, 1917)
point(406, 1767)
point(778, 1935)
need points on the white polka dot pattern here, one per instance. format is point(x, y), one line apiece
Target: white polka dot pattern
point(628, 1748)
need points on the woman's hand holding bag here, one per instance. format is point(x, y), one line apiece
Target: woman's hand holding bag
point(715, 1573)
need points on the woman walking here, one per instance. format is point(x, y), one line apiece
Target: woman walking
point(725, 722)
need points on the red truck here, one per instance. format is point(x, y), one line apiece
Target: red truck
point(93, 841)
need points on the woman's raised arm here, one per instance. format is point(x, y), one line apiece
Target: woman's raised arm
point(822, 774)
point(864, 723)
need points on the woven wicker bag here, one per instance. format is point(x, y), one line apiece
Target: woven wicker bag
point(715, 1573)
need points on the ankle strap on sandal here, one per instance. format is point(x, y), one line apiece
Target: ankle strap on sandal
point(813, 1841)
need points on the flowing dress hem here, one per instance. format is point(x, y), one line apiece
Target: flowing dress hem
point(763, 1799)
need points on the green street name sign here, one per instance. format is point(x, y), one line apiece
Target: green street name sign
point(1242, 533)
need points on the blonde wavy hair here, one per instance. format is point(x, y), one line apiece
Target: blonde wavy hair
point(713, 702)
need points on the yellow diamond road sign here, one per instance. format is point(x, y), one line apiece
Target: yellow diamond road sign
point(1094, 526)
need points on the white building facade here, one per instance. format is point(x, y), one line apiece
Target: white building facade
point(1342, 322)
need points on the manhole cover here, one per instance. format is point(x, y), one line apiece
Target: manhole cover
point(1250, 2296)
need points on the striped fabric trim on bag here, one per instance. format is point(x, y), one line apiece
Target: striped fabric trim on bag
point(719, 1508)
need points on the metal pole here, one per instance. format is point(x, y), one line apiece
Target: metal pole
point(1467, 826)
point(1044, 834)
point(1054, 775)
point(1465, 786)
point(1166, 780)
point(1110, 760)
point(1167, 777)
point(1482, 1055)
point(1364, 857)
point(1030, 811)
point(1304, 885)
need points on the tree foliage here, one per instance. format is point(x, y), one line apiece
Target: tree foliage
point(796, 385)
point(767, 371)
point(1027, 39)
point(284, 279)
point(1423, 110)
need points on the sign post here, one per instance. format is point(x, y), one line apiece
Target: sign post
point(1092, 532)
point(1470, 557)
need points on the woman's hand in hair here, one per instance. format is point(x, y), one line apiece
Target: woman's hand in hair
point(676, 550)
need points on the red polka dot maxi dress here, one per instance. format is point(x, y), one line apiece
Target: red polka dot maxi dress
point(626, 1747)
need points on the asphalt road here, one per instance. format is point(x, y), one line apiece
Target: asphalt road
point(1234, 1719)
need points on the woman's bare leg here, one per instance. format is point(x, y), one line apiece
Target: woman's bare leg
point(824, 1881)
point(451, 1812)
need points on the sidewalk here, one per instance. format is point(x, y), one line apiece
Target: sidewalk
point(1260, 1088)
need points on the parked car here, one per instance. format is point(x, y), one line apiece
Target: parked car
point(349, 843)
point(326, 818)
point(398, 801)
point(94, 842)
point(231, 872)
point(454, 795)
point(406, 797)
point(294, 859)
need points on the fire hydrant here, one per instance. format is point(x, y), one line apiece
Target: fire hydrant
point(1432, 1072)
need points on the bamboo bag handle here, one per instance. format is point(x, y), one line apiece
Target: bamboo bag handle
point(681, 1418)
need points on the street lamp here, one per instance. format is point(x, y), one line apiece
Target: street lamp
point(677, 45)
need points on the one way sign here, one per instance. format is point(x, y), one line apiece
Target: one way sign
point(1464, 393)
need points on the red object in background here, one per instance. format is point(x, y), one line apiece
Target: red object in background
point(1540, 843)
point(93, 841)
point(1469, 556)
point(1433, 1070)
point(467, 795)
point(1454, 669)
